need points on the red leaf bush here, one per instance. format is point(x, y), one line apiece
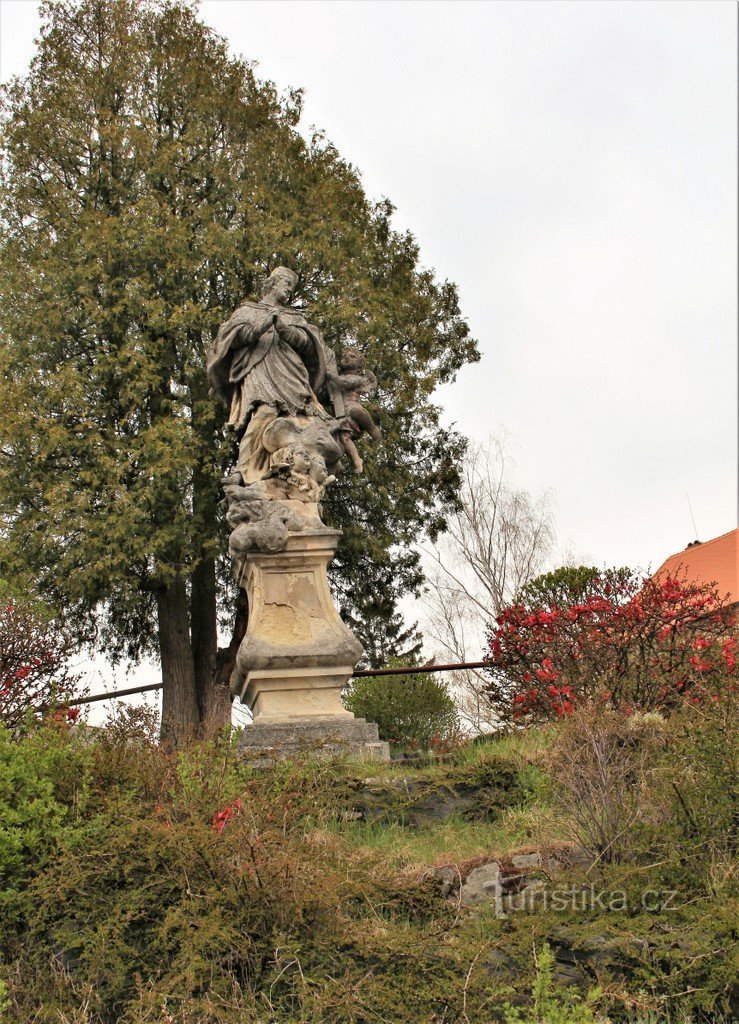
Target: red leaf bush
point(35, 677)
point(613, 637)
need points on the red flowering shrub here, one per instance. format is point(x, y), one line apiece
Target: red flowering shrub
point(610, 636)
point(34, 670)
point(221, 818)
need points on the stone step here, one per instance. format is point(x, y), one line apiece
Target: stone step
point(327, 735)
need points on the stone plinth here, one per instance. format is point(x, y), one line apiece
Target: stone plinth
point(316, 735)
point(297, 654)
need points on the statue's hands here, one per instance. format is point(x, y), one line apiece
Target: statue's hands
point(268, 324)
point(286, 331)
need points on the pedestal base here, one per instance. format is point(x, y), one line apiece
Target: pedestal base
point(297, 655)
point(314, 735)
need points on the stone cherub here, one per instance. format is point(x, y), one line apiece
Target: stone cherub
point(353, 379)
point(304, 472)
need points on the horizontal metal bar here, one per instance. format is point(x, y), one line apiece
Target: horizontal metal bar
point(114, 693)
point(408, 669)
point(400, 671)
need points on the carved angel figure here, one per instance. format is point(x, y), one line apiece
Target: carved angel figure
point(354, 380)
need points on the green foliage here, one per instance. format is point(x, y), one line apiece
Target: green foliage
point(149, 181)
point(550, 1006)
point(382, 631)
point(414, 711)
point(696, 780)
point(129, 896)
point(43, 786)
point(569, 584)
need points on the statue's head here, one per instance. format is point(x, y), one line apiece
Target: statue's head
point(298, 458)
point(351, 360)
point(280, 285)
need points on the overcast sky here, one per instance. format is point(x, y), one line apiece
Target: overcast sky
point(573, 167)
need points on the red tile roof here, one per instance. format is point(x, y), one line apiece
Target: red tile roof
point(715, 561)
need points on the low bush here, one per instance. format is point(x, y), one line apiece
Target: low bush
point(600, 769)
point(414, 711)
point(139, 885)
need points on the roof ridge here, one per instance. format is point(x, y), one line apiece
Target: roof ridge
point(702, 543)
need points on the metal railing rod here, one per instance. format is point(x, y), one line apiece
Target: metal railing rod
point(408, 669)
point(110, 694)
point(400, 671)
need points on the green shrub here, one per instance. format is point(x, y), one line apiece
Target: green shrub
point(548, 1004)
point(415, 711)
point(144, 886)
point(44, 785)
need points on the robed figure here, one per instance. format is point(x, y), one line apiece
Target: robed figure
point(268, 363)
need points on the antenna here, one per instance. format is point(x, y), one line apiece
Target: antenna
point(691, 515)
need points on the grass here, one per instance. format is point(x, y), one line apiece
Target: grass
point(452, 841)
point(448, 842)
point(457, 839)
point(517, 747)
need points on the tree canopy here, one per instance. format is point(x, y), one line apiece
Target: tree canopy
point(149, 182)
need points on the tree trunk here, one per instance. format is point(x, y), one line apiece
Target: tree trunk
point(226, 657)
point(214, 699)
point(180, 718)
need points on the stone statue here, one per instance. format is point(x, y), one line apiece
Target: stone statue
point(268, 363)
point(354, 381)
point(292, 410)
point(294, 413)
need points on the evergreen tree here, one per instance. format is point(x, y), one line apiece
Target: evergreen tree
point(149, 182)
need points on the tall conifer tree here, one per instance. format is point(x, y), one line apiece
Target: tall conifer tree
point(149, 182)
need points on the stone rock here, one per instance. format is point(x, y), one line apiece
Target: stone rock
point(598, 953)
point(326, 736)
point(501, 963)
point(482, 885)
point(526, 860)
point(445, 879)
point(417, 802)
point(525, 898)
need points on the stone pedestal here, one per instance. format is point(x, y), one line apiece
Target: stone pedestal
point(298, 654)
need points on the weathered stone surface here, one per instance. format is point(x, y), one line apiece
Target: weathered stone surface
point(518, 882)
point(482, 885)
point(445, 878)
point(525, 898)
point(526, 860)
point(416, 801)
point(297, 653)
point(294, 411)
point(324, 736)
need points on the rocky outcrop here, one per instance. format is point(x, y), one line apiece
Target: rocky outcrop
point(510, 883)
point(418, 801)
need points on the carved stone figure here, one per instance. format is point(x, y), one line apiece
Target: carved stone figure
point(293, 413)
point(354, 381)
point(292, 410)
point(268, 364)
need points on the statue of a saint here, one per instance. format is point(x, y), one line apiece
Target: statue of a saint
point(267, 362)
point(292, 409)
